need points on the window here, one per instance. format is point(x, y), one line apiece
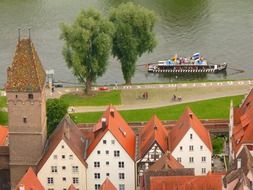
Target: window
point(121, 176)
point(96, 164)
point(63, 156)
point(55, 157)
point(121, 186)
point(113, 141)
point(74, 169)
point(64, 179)
point(98, 152)
point(97, 175)
point(24, 119)
point(71, 157)
point(203, 159)
point(190, 136)
point(191, 159)
point(50, 189)
point(63, 167)
point(16, 96)
point(107, 174)
point(50, 180)
point(62, 146)
point(107, 163)
point(203, 170)
point(104, 141)
point(116, 153)
point(97, 186)
point(107, 152)
point(179, 159)
point(75, 180)
point(181, 148)
point(54, 169)
point(201, 147)
point(121, 165)
point(30, 96)
point(191, 148)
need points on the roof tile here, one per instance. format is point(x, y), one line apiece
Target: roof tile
point(3, 135)
point(107, 185)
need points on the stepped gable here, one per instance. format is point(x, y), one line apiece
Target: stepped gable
point(112, 121)
point(107, 185)
point(188, 120)
point(186, 182)
point(240, 174)
point(30, 181)
point(3, 135)
point(153, 132)
point(243, 123)
point(167, 161)
point(71, 187)
point(26, 72)
point(70, 133)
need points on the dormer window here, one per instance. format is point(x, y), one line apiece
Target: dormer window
point(30, 96)
point(24, 119)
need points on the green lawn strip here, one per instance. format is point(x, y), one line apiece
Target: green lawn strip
point(99, 99)
point(3, 101)
point(207, 109)
point(3, 118)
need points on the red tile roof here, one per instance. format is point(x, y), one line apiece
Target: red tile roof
point(30, 181)
point(153, 131)
point(71, 187)
point(165, 162)
point(3, 135)
point(119, 129)
point(70, 133)
point(186, 182)
point(26, 72)
point(107, 185)
point(188, 120)
point(243, 124)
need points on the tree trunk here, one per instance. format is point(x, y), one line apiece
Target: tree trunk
point(88, 85)
point(128, 81)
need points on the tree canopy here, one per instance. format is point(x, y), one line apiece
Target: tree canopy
point(88, 43)
point(56, 110)
point(133, 35)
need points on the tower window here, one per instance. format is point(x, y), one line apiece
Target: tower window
point(24, 119)
point(30, 96)
point(16, 96)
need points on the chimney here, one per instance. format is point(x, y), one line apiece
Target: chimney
point(112, 112)
point(190, 114)
point(18, 34)
point(103, 122)
point(239, 163)
point(21, 187)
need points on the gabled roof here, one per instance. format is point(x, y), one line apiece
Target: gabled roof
point(71, 187)
point(186, 182)
point(153, 131)
point(240, 173)
point(3, 135)
point(243, 124)
point(70, 133)
point(114, 123)
point(107, 185)
point(167, 161)
point(26, 72)
point(30, 181)
point(188, 120)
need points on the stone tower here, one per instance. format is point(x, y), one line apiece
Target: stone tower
point(26, 98)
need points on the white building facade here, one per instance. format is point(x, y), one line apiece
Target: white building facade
point(110, 160)
point(192, 152)
point(62, 169)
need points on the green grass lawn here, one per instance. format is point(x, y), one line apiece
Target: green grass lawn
point(3, 101)
point(207, 109)
point(3, 118)
point(99, 99)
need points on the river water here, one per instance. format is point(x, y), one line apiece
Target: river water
point(221, 30)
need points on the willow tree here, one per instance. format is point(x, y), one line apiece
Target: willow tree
point(88, 43)
point(133, 35)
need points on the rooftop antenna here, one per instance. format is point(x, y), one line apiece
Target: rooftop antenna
point(29, 33)
point(19, 34)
